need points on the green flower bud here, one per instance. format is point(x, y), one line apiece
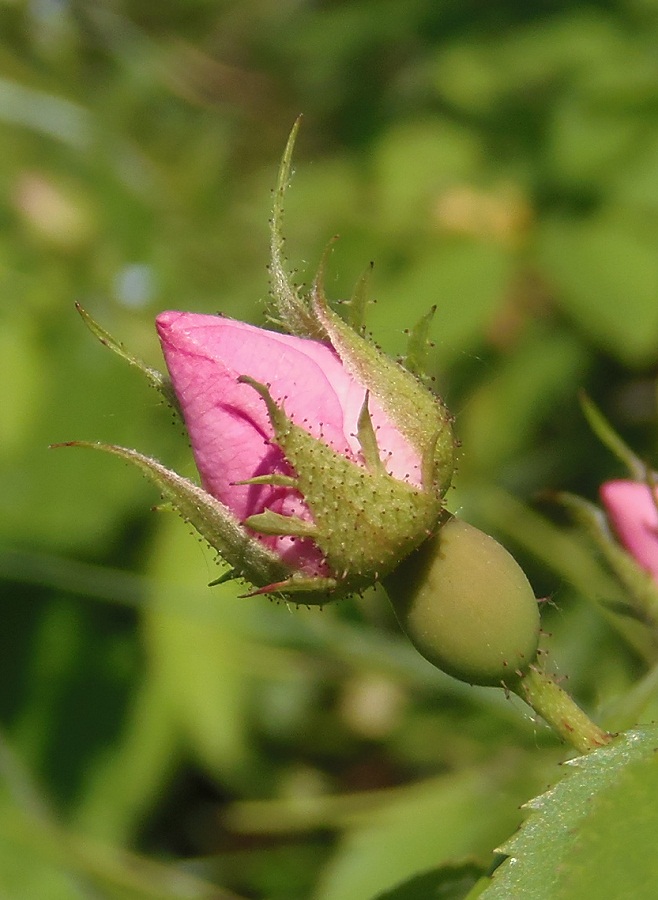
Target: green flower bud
point(467, 606)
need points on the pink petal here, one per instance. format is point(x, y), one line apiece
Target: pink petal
point(227, 422)
point(632, 513)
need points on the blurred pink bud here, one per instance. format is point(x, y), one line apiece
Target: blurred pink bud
point(633, 514)
point(231, 432)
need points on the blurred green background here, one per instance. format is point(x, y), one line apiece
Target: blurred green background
point(497, 159)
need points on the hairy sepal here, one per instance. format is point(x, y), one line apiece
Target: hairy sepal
point(291, 309)
point(365, 521)
point(156, 379)
point(419, 415)
point(248, 557)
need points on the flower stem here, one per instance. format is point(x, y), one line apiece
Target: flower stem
point(557, 708)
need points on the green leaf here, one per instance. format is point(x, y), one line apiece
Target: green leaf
point(594, 833)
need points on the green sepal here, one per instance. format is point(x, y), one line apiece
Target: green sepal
point(292, 311)
point(270, 522)
point(358, 303)
point(638, 469)
point(418, 414)
point(247, 556)
point(297, 584)
point(229, 575)
point(418, 347)
point(277, 416)
point(366, 522)
point(166, 506)
point(274, 480)
point(156, 379)
point(368, 440)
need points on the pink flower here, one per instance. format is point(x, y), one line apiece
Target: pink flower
point(231, 432)
point(632, 512)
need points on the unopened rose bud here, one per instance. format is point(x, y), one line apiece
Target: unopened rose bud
point(633, 514)
point(309, 448)
point(323, 462)
point(467, 606)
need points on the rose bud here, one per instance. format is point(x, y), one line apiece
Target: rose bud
point(326, 457)
point(323, 462)
point(625, 532)
point(633, 514)
point(467, 607)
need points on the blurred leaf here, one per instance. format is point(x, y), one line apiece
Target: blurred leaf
point(128, 779)
point(465, 280)
point(432, 824)
point(565, 553)
point(41, 491)
point(638, 705)
point(44, 112)
point(506, 411)
point(447, 883)
point(198, 655)
point(525, 61)
point(587, 139)
point(41, 861)
point(321, 200)
point(443, 153)
point(20, 367)
point(39, 857)
point(606, 271)
point(635, 184)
